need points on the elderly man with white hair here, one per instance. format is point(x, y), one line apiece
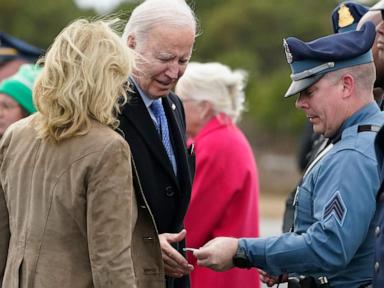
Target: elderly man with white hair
point(162, 32)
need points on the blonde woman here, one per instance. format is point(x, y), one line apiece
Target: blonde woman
point(67, 205)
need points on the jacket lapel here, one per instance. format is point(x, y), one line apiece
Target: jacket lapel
point(171, 110)
point(138, 115)
point(175, 120)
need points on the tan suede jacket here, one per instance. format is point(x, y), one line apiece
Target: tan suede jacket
point(69, 216)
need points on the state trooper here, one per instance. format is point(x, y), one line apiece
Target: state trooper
point(378, 277)
point(374, 15)
point(332, 243)
point(345, 17)
point(15, 52)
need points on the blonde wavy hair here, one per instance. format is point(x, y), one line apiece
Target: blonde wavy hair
point(84, 77)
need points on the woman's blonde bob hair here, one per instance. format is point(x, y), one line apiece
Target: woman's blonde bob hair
point(84, 77)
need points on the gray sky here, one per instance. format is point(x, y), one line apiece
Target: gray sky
point(101, 6)
point(104, 6)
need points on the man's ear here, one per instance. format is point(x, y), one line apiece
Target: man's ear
point(131, 41)
point(348, 85)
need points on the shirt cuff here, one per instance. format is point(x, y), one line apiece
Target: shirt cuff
point(255, 251)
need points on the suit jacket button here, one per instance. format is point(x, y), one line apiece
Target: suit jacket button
point(169, 191)
point(377, 231)
point(377, 267)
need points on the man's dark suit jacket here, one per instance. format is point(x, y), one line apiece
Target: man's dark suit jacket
point(167, 195)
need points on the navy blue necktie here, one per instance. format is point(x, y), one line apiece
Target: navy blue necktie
point(162, 129)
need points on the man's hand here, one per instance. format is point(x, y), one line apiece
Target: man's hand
point(270, 280)
point(175, 265)
point(217, 254)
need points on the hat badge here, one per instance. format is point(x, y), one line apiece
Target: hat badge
point(345, 16)
point(7, 51)
point(288, 53)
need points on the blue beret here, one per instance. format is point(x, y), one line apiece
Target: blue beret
point(11, 48)
point(309, 61)
point(346, 16)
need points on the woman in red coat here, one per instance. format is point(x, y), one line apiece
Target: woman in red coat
point(225, 191)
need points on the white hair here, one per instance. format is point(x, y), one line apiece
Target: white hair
point(217, 84)
point(154, 13)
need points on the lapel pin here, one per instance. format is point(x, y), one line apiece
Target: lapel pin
point(173, 106)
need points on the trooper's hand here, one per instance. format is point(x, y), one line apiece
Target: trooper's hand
point(175, 265)
point(217, 254)
point(270, 280)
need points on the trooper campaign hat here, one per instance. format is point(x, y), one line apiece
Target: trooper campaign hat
point(14, 48)
point(309, 61)
point(346, 16)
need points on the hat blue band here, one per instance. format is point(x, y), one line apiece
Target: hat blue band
point(312, 71)
point(307, 68)
point(348, 28)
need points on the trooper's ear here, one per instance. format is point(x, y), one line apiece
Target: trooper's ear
point(348, 85)
point(131, 41)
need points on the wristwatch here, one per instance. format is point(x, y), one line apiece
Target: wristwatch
point(240, 259)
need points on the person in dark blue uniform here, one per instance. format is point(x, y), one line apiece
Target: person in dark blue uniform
point(332, 243)
point(374, 15)
point(378, 277)
point(15, 52)
point(345, 17)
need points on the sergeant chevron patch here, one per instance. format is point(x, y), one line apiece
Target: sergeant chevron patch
point(335, 207)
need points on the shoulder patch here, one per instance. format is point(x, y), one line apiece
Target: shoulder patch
point(335, 207)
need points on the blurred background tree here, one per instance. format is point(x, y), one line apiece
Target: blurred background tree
point(248, 34)
point(38, 22)
point(245, 34)
point(240, 33)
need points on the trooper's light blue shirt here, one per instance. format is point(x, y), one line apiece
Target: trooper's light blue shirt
point(334, 209)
